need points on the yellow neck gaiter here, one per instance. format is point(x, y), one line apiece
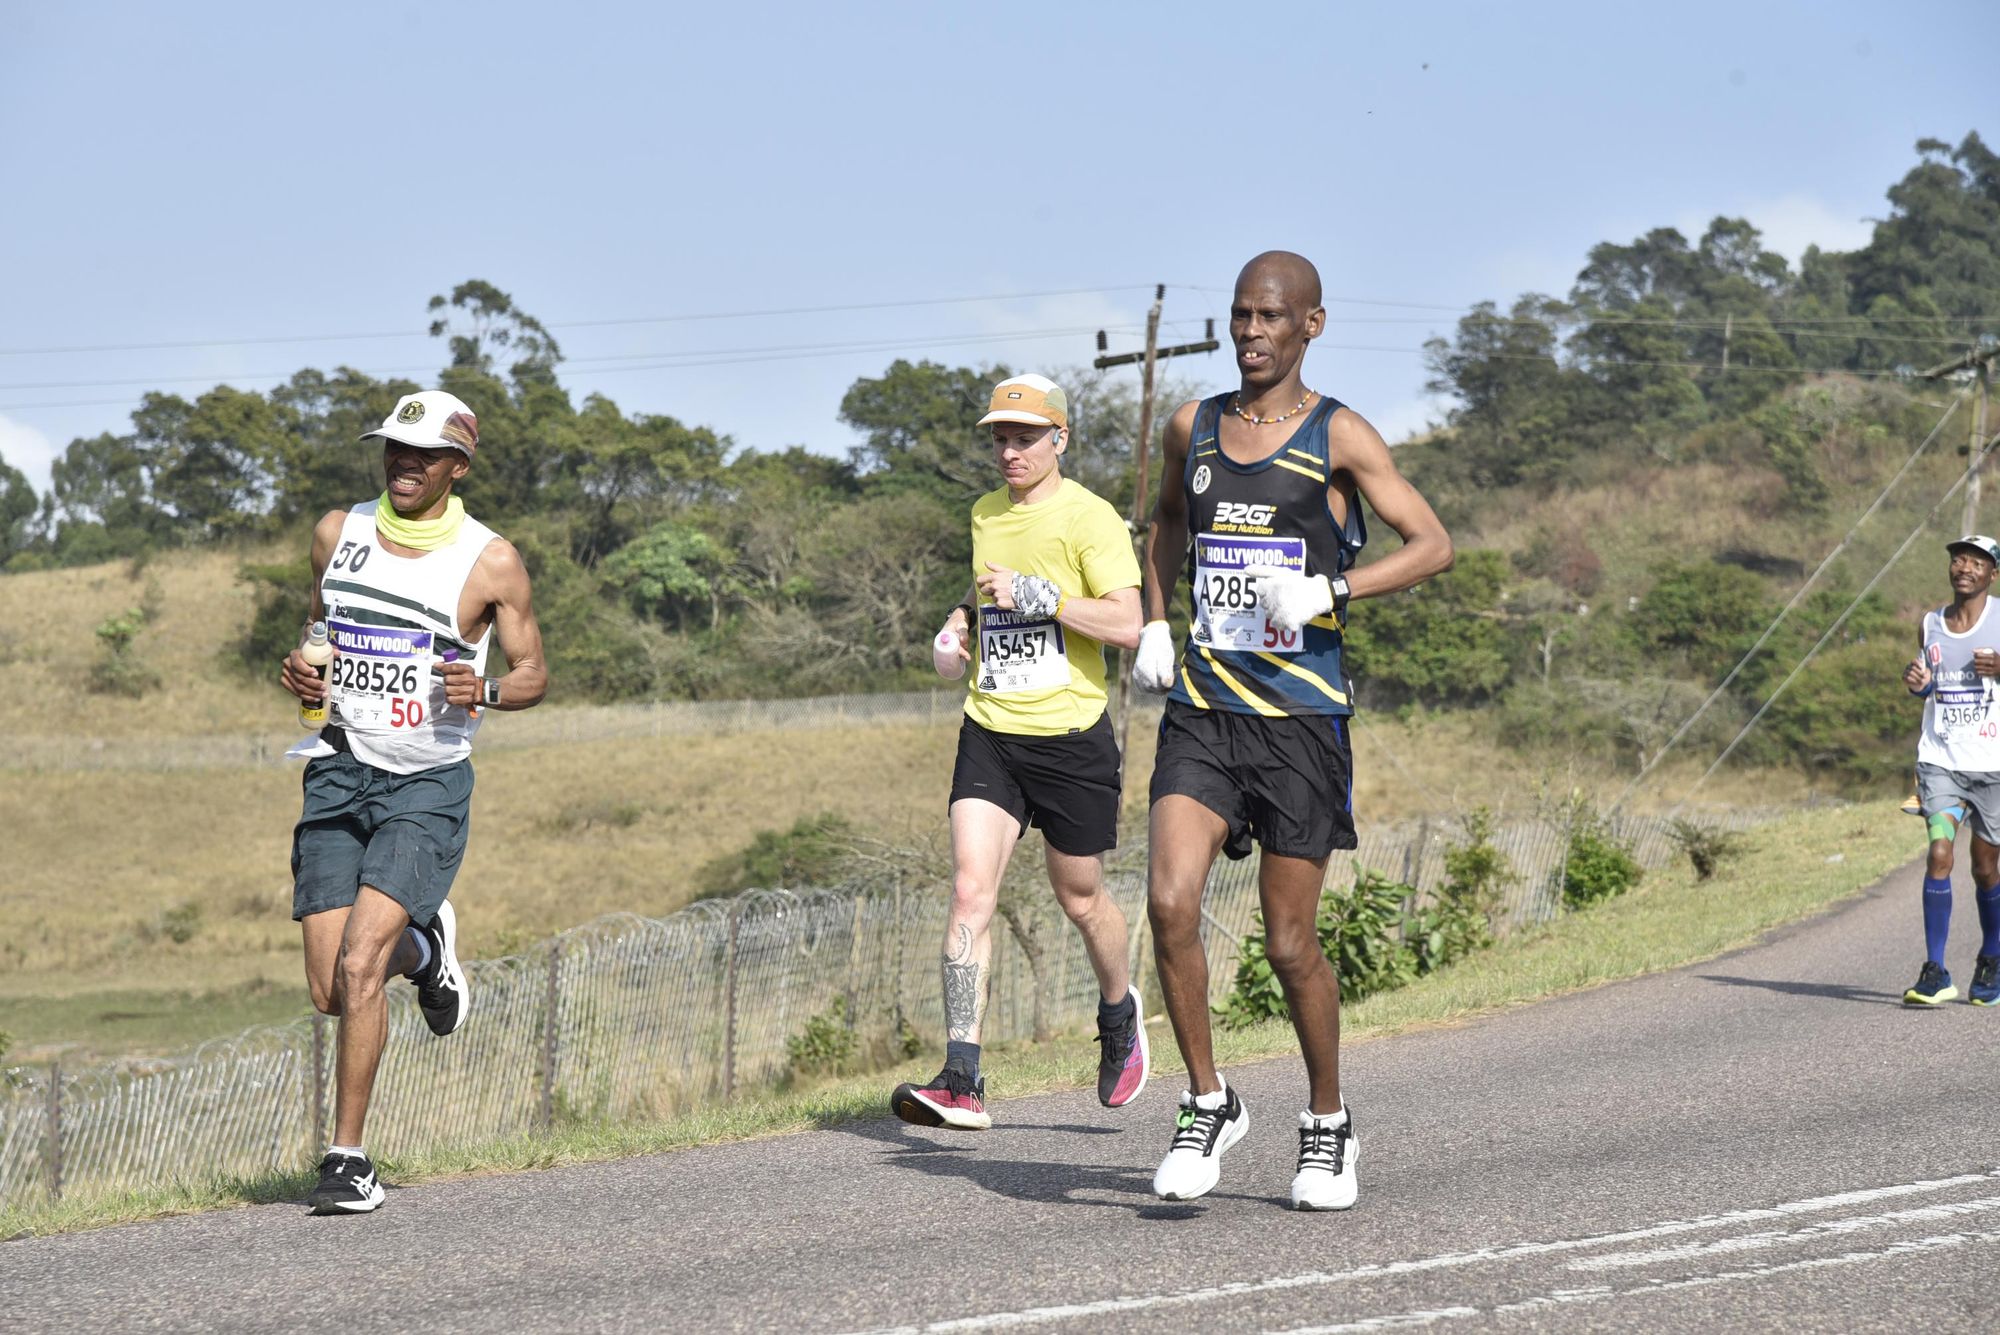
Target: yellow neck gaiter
point(426, 535)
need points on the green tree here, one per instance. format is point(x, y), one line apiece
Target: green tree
point(1702, 613)
point(1443, 642)
point(669, 571)
point(921, 427)
point(18, 507)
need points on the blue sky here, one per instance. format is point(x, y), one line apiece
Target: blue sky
point(253, 171)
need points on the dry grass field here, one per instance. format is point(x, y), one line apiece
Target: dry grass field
point(140, 910)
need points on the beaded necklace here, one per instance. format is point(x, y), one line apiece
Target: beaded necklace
point(1236, 406)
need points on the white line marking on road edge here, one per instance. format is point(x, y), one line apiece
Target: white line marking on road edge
point(1570, 1297)
point(1751, 1242)
point(1142, 1302)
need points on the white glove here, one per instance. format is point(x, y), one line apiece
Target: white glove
point(1153, 662)
point(1289, 598)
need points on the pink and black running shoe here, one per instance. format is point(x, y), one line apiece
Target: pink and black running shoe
point(1123, 1059)
point(952, 1098)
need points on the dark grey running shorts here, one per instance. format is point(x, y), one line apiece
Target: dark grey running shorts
point(404, 834)
point(1288, 782)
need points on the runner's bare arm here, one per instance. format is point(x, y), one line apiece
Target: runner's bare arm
point(1166, 538)
point(302, 681)
point(1357, 449)
point(1112, 619)
point(503, 586)
point(1917, 676)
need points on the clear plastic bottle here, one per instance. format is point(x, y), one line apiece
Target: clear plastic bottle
point(317, 651)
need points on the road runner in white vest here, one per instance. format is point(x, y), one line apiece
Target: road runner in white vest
point(1958, 765)
point(414, 593)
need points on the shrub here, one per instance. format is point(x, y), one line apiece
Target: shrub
point(1706, 847)
point(816, 851)
point(1598, 866)
point(1459, 920)
point(827, 1045)
point(1361, 931)
point(121, 671)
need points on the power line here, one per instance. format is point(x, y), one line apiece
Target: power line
point(578, 324)
point(1915, 533)
point(1797, 598)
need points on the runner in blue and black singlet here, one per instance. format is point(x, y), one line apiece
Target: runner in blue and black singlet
point(1272, 512)
point(1260, 510)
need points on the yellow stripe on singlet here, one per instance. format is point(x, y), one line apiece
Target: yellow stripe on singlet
point(1285, 463)
point(1306, 673)
point(1194, 695)
point(1222, 675)
point(1301, 454)
point(1327, 622)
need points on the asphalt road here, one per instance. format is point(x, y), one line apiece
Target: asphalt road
point(1765, 1140)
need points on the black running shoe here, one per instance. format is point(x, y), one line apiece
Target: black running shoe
point(441, 989)
point(952, 1098)
point(347, 1185)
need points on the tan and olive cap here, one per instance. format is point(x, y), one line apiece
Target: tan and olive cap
point(1034, 399)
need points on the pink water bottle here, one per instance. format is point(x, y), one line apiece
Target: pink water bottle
point(944, 656)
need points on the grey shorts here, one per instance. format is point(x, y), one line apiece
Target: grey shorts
point(404, 834)
point(1940, 789)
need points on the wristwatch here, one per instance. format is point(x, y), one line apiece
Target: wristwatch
point(489, 690)
point(1339, 586)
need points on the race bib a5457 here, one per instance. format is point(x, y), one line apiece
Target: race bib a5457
point(1018, 653)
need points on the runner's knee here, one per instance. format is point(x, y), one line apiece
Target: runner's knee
point(972, 898)
point(1295, 953)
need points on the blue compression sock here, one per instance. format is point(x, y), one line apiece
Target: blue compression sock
point(1937, 917)
point(1988, 900)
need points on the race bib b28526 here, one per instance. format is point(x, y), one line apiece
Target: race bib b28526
point(380, 677)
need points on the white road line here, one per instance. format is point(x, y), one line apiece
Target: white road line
point(1571, 1297)
point(1031, 1316)
point(1751, 1242)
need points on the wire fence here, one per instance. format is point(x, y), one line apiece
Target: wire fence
point(536, 727)
point(630, 1018)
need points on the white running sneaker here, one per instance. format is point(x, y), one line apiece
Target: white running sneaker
point(1327, 1151)
point(1203, 1128)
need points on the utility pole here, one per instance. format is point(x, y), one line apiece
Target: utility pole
point(1979, 361)
point(1147, 360)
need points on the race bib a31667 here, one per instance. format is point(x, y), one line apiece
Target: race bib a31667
point(380, 677)
point(1227, 613)
point(1018, 653)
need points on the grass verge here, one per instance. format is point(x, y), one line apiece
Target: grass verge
point(1788, 870)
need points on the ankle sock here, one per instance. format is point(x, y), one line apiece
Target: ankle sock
point(1332, 1120)
point(1210, 1102)
point(1988, 900)
point(962, 1057)
point(1114, 1012)
point(351, 1151)
point(423, 945)
point(1937, 917)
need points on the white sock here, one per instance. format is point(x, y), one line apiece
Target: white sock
point(423, 943)
point(1328, 1121)
point(1210, 1102)
point(351, 1151)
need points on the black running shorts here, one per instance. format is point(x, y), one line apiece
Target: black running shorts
point(1066, 786)
point(1287, 782)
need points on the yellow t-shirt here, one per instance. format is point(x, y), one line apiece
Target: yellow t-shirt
point(1039, 678)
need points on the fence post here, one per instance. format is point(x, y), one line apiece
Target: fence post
point(729, 1006)
point(317, 1090)
point(546, 1114)
point(55, 1131)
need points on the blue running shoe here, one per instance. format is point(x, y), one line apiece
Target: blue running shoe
point(1986, 980)
point(1933, 987)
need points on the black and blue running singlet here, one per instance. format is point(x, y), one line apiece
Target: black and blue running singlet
point(1270, 513)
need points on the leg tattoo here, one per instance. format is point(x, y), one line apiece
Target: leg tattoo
point(962, 988)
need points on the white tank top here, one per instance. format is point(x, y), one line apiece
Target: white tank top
point(390, 618)
point(1961, 714)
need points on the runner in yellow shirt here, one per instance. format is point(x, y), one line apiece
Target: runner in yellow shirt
point(1054, 580)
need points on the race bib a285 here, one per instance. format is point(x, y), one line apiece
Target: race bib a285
point(1227, 614)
